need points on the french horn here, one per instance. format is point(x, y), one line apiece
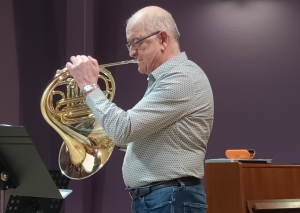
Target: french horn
point(86, 147)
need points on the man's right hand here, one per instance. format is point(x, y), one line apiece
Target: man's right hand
point(84, 69)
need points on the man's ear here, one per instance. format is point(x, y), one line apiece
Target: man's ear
point(164, 39)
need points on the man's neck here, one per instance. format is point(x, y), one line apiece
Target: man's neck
point(172, 52)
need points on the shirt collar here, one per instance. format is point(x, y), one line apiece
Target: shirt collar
point(165, 67)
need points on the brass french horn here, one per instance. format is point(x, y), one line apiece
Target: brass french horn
point(86, 147)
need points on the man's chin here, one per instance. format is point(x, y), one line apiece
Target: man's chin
point(141, 70)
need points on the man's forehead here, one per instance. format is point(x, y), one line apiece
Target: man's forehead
point(134, 30)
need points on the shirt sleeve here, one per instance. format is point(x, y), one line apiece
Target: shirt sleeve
point(169, 99)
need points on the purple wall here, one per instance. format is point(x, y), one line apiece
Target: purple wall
point(9, 79)
point(9, 104)
point(40, 36)
point(249, 50)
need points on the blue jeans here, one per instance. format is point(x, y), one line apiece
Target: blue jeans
point(173, 199)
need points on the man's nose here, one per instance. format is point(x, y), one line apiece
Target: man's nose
point(132, 52)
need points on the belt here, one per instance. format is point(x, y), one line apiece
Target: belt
point(144, 190)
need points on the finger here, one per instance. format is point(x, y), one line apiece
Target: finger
point(69, 66)
point(84, 58)
point(79, 59)
point(94, 61)
point(73, 59)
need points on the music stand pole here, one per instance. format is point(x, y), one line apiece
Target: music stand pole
point(4, 178)
point(2, 201)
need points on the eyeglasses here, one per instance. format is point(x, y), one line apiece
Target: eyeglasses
point(136, 44)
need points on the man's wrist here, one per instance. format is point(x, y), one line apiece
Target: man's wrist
point(94, 89)
point(88, 87)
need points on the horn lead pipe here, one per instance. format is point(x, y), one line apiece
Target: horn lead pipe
point(106, 65)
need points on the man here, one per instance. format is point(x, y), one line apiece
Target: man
point(167, 131)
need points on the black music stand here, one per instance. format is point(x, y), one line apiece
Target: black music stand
point(27, 174)
point(17, 204)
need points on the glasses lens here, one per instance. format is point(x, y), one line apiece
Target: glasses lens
point(133, 46)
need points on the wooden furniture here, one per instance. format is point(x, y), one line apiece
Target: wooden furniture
point(230, 185)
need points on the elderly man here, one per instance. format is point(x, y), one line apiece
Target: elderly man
point(167, 131)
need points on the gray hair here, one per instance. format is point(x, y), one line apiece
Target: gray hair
point(158, 22)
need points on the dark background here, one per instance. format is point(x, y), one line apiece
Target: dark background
point(249, 50)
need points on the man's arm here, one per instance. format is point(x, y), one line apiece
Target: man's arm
point(169, 100)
